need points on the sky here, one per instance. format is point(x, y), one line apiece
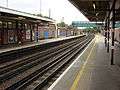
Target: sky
point(60, 9)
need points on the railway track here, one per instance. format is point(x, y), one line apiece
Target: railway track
point(21, 53)
point(32, 73)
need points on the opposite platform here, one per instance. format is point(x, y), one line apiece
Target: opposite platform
point(40, 42)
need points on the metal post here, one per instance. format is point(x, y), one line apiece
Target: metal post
point(49, 13)
point(37, 33)
point(17, 31)
point(40, 6)
point(2, 38)
point(96, 24)
point(113, 32)
point(108, 32)
point(105, 33)
point(7, 3)
point(31, 29)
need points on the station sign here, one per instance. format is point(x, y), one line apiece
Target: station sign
point(83, 24)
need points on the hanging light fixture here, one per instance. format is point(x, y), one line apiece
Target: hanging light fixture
point(94, 5)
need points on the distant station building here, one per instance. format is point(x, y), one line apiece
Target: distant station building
point(68, 30)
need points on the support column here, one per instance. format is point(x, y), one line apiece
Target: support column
point(31, 29)
point(113, 32)
point(108, 33)
point(37, 33)
point(17, 37)
point(2, 34)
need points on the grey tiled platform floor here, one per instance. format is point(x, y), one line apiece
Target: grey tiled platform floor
point(98, 74)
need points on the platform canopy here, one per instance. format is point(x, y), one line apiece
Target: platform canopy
point(97, 10)
point(7, 12)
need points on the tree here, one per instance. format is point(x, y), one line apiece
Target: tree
point(62, 24)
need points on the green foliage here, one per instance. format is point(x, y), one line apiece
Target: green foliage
point(43, 16)
point(40, 15)
point(62, 24)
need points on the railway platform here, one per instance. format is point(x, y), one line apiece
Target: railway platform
point(91, 70)
point(32, 44)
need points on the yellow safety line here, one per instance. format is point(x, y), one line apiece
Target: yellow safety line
point(75, 83)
